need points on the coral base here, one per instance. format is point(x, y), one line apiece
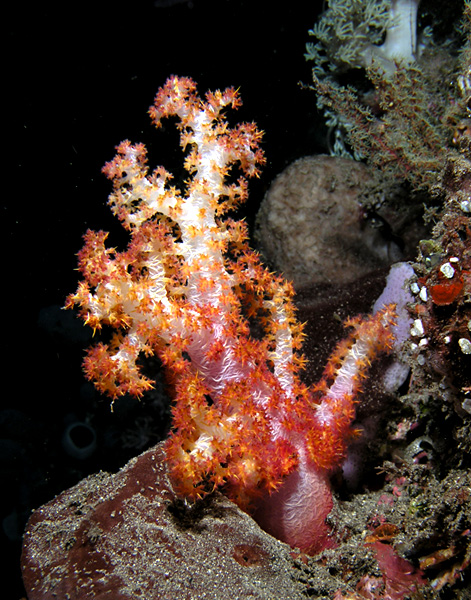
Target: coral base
point(297, 512)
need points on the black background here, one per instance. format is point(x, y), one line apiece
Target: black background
point(79, 79)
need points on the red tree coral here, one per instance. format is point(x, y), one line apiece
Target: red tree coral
point(189, 290)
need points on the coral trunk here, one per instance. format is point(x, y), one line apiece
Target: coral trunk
point(296, 513)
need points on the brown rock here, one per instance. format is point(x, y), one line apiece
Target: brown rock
point(312, 227)
point(127, 536)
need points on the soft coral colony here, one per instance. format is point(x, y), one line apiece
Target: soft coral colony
point(190, 290)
